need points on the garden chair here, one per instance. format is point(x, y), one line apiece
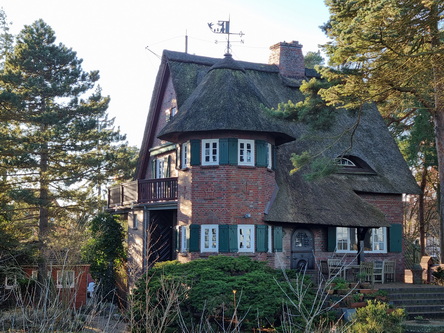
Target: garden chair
point(378, 272)
point(389, 271)
point(366, 272)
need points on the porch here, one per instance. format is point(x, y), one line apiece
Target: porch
point(142, 191)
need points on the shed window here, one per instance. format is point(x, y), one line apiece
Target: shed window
point(65, 279)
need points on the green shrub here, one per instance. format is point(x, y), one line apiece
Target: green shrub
point(377, 318)
point(208, 287)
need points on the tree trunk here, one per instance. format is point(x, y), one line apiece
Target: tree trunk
point(44, 202)
point(421, 209)
point(439, 129)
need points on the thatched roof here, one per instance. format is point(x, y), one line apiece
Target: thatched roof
point(225, 100)
point(214, 94)
point(333, 200)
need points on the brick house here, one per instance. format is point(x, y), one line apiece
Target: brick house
point(214, 171)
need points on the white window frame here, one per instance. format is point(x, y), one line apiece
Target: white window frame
point(209, 238)
point(377, 238)
point(34, 274)
point(64, 277)
point(269, 156)
point(161, 167)
point(210, 152)
point(185, 155)
point(135, 221)
point(245, 238)
point(183, 239)
point(245, 154)
point(345, 162)
point(8, 280)
point(270, 240)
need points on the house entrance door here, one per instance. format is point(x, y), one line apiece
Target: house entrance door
point(302, 246)
point(160, 236)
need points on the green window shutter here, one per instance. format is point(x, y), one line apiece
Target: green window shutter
point(224, 238)
point(223, 151)
point(331, 239)
point(277, 239)
point(232, 238)
point(395, 238)
point(194, 238)
point(261, 238)
point(195, 152)
point(261, 153)
point(232, 151)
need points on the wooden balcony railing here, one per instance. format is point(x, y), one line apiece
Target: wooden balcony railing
point(143, 191)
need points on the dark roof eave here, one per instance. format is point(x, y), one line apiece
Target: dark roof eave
point(175, 137)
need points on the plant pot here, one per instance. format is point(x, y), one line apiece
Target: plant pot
point(367, 291)
point(358, 305)
point(342, 291)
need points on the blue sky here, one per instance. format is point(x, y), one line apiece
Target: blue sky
point(123, 39)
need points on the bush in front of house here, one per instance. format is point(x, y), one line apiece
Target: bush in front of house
point(377, 317)
point(219, 291)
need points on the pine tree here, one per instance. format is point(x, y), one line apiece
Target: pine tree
point(56, 139)
point(390, 52)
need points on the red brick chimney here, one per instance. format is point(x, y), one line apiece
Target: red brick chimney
point(289, 58)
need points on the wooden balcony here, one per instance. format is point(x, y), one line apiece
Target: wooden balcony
point(143, 191)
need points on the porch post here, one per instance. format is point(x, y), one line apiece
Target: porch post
point(361, 236)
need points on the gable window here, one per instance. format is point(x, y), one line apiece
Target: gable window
point(209, 238)
point(245, 238)
point(246, 152)
point(210, 152)
point(185, 155)
point(343, 161)
point(65, 279)
point(375, 240)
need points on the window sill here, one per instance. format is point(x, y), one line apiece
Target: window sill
point(246, 167)
point(209, 166)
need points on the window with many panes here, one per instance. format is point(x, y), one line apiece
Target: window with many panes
point(375, 240)
point(246, 152)
point(210, 152)
point(209, 240)
point(245, 238)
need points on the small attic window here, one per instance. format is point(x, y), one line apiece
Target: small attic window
point(353, 164)
point(343, 161)
point(170, 113)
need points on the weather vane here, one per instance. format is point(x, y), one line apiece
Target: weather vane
point(223, 27)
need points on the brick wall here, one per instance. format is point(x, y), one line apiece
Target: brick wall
point(289, 58)
point(391, 205)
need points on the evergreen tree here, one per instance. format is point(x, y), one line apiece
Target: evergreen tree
point(313, 59)
point(56, 139)
point(105, 252)
point(390, 52)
